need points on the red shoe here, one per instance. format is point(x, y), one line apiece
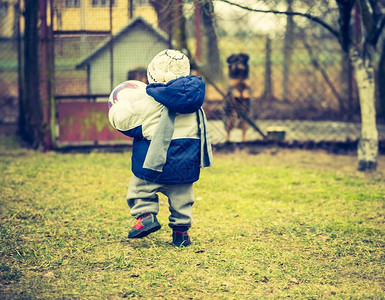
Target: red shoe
point(145, 225)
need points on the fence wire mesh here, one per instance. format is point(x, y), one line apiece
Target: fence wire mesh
point(300, 81)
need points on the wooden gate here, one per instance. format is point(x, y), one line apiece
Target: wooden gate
point(83, 120)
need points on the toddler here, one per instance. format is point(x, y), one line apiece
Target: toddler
point(169, 148)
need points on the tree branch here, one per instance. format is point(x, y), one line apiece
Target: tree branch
point(288, 13)
point(324, 74)
point(367, 18)
point(345, 8)
point(379, 30)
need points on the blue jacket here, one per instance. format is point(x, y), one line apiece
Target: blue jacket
point(184, 96)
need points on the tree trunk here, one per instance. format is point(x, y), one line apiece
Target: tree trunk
point(31, 112)
point(179, 22)
point(172, 21)
point(368, 143)
point(214, 66)
point(380, 81)
point(268, 88)
point(287, 51)
point(347, 106)
point(164, 12)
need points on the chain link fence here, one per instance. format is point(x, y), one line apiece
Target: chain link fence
point(10, 47)
point(299, 79)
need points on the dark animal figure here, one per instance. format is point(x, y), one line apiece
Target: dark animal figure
point(237, 102)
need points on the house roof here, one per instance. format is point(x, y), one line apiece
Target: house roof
point(130, 26)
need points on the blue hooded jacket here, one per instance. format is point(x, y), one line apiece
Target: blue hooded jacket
point(184, 95)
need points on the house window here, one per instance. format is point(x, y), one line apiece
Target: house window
point(102, 3)
point(72, 3)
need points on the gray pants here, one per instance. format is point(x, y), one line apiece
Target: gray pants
point(142, 198)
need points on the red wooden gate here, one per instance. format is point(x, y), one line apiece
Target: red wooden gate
point(84, 122)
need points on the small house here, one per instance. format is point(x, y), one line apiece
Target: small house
point(127, 52)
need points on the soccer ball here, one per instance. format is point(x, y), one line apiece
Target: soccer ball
point(129, 106)
point(131, 90)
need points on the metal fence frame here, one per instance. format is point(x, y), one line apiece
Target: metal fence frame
point(313, 95)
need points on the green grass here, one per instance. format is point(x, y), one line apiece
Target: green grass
point(296, 224)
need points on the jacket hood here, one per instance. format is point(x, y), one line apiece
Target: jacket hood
point(183, 95)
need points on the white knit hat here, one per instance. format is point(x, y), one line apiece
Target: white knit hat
point(168, 65)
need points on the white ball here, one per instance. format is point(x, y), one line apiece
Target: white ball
point(130, 106)
point(131, 90)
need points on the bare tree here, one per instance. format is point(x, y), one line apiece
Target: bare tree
point(287, 50)
point(213, 66)
point(361, 53)
point(361, 50)
point(268, 87)
point(172, 21)
point(164, 10)
point(30, 107)
point(381, 78)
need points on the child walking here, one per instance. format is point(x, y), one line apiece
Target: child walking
point(169, 149)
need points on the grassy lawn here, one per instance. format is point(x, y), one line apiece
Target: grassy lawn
point(293, 224)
